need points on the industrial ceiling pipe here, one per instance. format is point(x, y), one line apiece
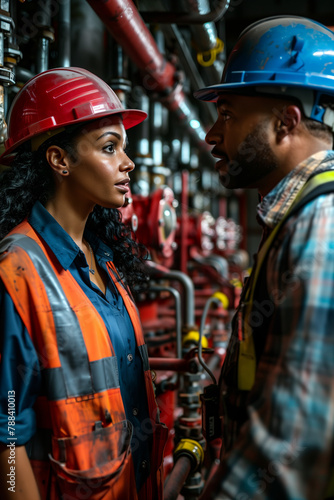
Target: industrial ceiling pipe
point(205, 38)
point(160, 76)
point(129, 30)
point(216, 12)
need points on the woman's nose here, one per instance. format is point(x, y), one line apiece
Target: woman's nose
point(127, 164)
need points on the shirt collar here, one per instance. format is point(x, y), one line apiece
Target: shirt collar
point(60, 242)
point(102, 252)
point(277, 202)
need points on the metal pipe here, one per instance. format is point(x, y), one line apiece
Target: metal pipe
point(64, 41)
point(205, 38)
point(22, 74)
point(174, 364)
point(177, 478)
point(188, 63)
point(160, 76)
point(42, 55)
point(215, 14)
point(206, 33)
point(87, 39)
point(45, 36)
point(142, 133)
point(177, 298)
point(186, 282)
point(219, 263)
point(184, 220)
point(189, 289)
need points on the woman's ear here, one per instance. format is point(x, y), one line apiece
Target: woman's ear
point(287, 121)
point(58, 160)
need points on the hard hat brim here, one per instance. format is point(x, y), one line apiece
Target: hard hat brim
point(211, 94)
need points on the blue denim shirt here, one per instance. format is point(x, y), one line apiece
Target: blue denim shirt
point(19, 368)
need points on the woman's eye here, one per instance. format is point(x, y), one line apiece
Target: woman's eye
point(110, 148)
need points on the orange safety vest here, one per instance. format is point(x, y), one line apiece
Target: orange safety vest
point(90, 454)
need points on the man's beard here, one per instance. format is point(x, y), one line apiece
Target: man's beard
point(253, 162)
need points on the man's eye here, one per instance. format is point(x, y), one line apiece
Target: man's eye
point(225, 116)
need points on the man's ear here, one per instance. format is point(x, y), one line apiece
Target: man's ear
point(58, 160)
point(286, 121)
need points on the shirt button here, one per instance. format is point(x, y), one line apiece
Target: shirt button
point(135, 411)
point(144, 464)
point(130, 357)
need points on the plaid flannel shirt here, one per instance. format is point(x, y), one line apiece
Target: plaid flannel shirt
point(285, 448)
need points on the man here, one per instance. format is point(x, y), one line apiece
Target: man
point(274, 132)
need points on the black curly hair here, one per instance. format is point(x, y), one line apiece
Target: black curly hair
point(30, 179)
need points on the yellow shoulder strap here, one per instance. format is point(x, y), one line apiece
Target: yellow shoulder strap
point(247, 357)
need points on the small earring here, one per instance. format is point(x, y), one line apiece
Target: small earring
point(65, 172)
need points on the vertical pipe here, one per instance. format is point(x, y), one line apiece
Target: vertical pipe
point(44, 37)
point(87, 39)
point(178, 319)
point(42, 55)
point(64, 36)
point(184, 221)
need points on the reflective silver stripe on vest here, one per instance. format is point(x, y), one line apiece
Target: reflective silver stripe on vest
point(104, 375)
point(76, 376)
point(144, 356)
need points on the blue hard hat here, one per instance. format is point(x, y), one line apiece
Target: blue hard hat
point(285, 56)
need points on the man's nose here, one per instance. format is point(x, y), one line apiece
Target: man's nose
point(214, 135)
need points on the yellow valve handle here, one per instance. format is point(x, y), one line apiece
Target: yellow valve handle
point(191, 448)
point(210, 54)
point(223, 299)
point(193, 337)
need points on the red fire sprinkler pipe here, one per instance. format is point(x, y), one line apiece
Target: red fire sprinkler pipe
point(129, 30)
point(160, 76)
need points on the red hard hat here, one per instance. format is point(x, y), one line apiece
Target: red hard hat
point(60, 97)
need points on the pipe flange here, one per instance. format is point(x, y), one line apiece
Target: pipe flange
point(12, 54)
point(7, 76)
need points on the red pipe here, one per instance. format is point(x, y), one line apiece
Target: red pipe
point(177, 478)
point(129, 30)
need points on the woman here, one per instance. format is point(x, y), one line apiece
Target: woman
point(77, 402)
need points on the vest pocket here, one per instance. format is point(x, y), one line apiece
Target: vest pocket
point(96, 465)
